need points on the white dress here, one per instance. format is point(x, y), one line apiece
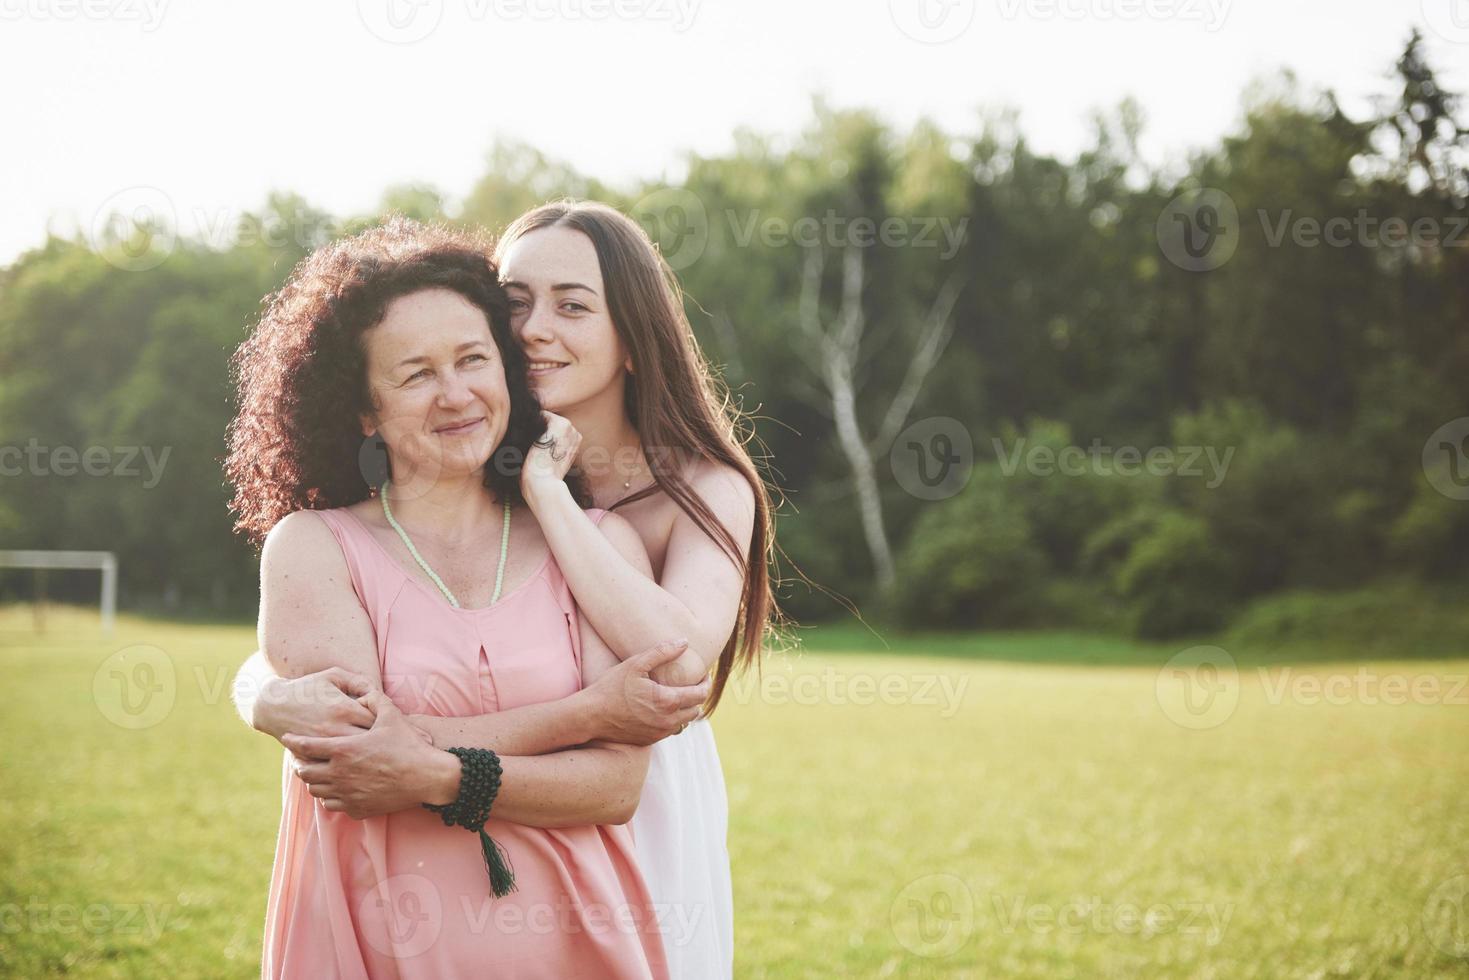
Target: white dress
point(679, 832)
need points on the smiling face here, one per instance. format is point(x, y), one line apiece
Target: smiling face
point(558, 310)
point(437, 383)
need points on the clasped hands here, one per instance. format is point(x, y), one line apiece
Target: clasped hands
point(359, 754)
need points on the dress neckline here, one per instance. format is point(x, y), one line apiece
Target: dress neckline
point(429, 590)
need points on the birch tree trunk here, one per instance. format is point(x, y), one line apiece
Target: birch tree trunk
point(835, 352)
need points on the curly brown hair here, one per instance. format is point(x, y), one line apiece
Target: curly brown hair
point(296, 441)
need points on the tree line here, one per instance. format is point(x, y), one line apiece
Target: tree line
point(994, 387)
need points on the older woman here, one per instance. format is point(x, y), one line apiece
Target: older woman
point(402, 333)
point(597, 313)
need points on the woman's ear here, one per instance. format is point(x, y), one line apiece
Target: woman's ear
point(627, 364)
point(369, 425)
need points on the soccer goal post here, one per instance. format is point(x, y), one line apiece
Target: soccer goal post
point(102, 561)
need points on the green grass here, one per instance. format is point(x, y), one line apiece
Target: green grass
point(907, 830)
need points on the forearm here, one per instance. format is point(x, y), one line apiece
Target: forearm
point(529, 730)
point(629, 610)
point(596, 784)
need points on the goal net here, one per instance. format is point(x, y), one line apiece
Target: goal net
point(101, 561)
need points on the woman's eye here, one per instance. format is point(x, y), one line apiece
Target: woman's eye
point(574, 307)
point(473, 358)
point(423, 373)
point(517, 305)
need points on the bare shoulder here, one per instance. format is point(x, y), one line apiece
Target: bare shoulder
point(726, 492)
point(301, 542)
point(729, 497)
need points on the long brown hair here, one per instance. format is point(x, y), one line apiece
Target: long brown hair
point(681, 410)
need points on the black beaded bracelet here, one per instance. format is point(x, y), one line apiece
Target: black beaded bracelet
point(479, 784)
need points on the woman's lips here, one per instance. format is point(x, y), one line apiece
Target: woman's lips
point(540, 368)
point(459, 429)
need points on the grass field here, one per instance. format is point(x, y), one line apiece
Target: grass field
point(1042, 805)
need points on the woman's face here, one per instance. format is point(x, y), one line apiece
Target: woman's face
point(558, 310)
point(437, 383)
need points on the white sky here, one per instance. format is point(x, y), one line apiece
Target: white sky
point(216, 104)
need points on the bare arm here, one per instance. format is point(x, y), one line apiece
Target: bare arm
point(624, 705)
point(549, 798)
point(631, 707)
point(699, 593)
point(326, 703)
point(311, 620)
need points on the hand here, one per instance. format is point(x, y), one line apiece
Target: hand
point(550, 457)
point(635, 709)
point(322, 704)
point(388, 768)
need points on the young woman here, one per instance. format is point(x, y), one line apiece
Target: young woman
point(402, 333)
point(599, 317)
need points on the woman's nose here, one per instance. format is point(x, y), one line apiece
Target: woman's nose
point(455, 392)
point(535, 325)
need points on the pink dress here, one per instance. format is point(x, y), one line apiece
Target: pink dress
point(402, 896)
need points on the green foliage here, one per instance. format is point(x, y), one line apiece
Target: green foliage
point(1398, 620)
point(1313, 374)
point(1174, 575)
point(972, 560)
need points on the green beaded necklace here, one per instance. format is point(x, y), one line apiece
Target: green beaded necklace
point(408, 543)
